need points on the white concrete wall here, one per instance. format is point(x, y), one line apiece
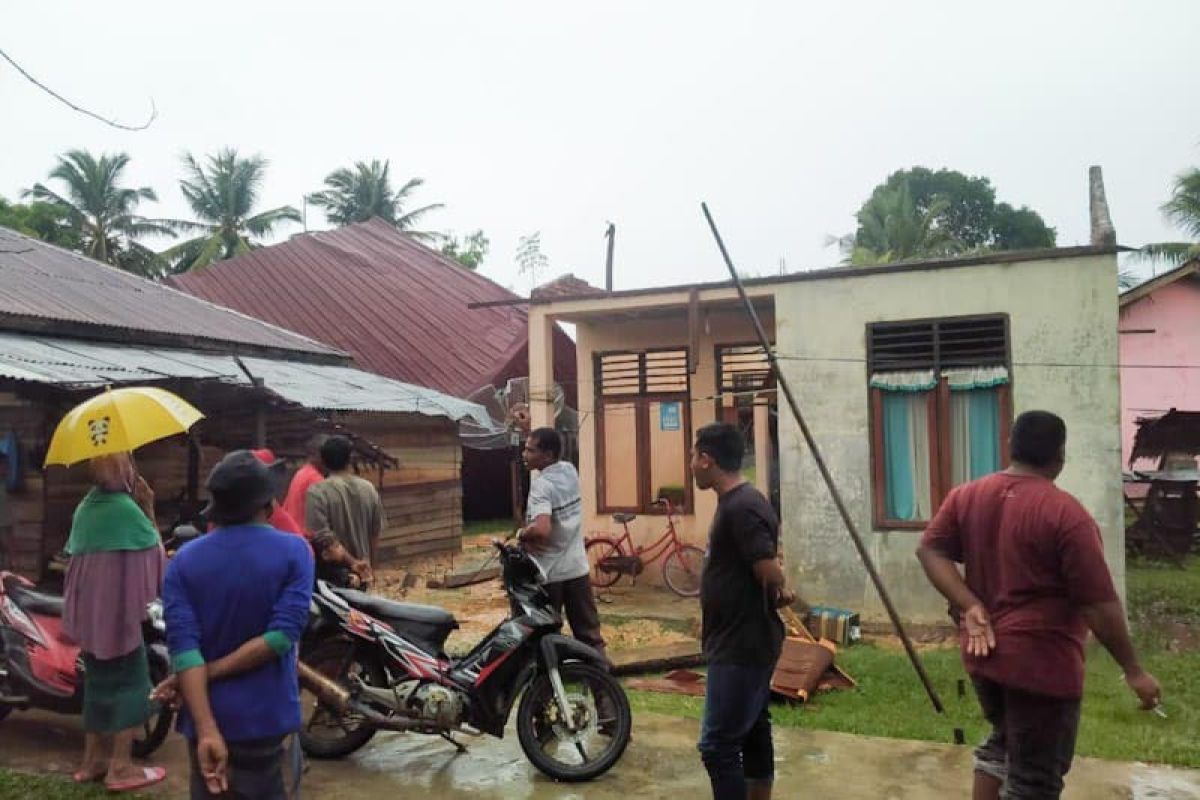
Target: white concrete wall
point(1062, 312)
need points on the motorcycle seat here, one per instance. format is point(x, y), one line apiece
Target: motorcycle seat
point(390, 609)
point(621, 518)
point(34, 602)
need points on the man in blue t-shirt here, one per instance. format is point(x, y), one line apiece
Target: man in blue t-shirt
point(236, 603)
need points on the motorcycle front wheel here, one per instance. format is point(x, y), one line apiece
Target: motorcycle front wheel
point(602, 723)
point(324, 733)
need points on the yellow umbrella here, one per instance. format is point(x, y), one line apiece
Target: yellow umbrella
point(119, 421)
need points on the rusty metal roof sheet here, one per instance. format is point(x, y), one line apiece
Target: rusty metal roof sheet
point(399, 307)
point(47, 288)
point(76, 364)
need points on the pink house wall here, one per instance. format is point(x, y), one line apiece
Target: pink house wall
point(1172, 317)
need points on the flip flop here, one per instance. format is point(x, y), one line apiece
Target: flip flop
point(149, 777)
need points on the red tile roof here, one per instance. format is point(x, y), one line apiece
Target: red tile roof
point(397, 306)
point(47, 289)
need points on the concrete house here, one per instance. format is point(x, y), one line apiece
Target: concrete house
point(909, 375)
point(1159, 346)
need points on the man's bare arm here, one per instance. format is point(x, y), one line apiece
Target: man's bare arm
point(1107, 622)
point(769, 573)
point(944, 575)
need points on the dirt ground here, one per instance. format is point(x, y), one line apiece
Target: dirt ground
point(630, 616)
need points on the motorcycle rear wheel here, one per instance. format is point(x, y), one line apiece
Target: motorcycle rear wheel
point(158, 726)
point(603, 709)
point(337, 738)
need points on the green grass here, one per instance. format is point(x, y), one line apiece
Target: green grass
point(21, 786)
point(889, 700)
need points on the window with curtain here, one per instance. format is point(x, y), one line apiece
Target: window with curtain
point(643, 430)
point(940, 411)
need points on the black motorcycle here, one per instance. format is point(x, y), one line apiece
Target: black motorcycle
point(373, 664)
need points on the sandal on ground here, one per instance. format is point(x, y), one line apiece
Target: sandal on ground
point(149, 777)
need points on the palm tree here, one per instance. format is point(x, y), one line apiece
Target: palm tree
point(892, 228)
point(1183, 209)
point(223, 193)
point(102, 212)
point(365, 191)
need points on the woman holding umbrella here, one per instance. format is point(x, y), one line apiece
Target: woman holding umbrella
point(116, 569)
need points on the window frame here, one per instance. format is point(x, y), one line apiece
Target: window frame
point(641, 401)
point(940, 455)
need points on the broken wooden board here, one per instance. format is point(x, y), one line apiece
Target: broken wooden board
point(680, 681)
point(656, 658)
point(466, 577)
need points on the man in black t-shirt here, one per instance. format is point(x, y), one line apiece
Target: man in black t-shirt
point(741, 589)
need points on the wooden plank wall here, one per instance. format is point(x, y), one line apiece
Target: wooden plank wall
point(20, 545)
point(423, 494)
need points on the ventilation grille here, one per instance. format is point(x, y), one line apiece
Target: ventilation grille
point(937, 344)
point(652, 372)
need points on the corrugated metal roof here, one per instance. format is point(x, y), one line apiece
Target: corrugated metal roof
point(76, 364)
point(39, 281)
point(397, 306)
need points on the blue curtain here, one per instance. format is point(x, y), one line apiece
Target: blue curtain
point(983, 415)
point(900, 500)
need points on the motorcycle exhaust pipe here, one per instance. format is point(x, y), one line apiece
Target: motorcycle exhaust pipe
point(339, 700)
point(335, 697)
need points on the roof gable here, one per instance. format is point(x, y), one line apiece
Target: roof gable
point(1147, 288)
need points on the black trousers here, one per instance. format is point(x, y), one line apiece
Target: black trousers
point(576, 599)
point(1032, 741)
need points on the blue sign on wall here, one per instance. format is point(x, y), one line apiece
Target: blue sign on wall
point(670, 417)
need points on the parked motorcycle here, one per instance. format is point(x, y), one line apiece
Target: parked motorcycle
point(373, 664)
point(40, 668)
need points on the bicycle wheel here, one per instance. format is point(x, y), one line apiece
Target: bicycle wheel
point(599, 549)
point(682, 569)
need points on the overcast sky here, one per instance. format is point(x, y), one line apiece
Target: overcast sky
point(560, 116)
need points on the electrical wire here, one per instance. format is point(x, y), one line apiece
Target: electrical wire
point(80, 109)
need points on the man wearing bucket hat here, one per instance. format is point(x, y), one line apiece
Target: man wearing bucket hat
point(233, 634)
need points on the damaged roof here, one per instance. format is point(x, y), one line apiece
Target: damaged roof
point(46, 289)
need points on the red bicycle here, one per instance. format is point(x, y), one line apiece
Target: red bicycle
point(613, 557)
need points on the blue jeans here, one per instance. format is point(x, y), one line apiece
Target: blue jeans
point(735, 737)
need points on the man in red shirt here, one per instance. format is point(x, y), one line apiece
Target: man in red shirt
point(1036, 582)
point(303, 480)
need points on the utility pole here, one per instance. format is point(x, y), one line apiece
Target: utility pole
point(611, 235)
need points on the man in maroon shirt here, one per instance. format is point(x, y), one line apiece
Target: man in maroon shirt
point(1036, 583)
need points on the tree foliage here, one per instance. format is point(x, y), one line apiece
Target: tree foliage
point(101, 211)
point(40, 220)
point(920, 213)
point(1182, 210)
point(365, 191)
point(469, 251)
point(223, 194)
point(531, 260)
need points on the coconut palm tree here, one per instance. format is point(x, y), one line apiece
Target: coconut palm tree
point(892, 228)
point(365, 191)
point(102, 212)
point(223, 193)
point(1183, 209)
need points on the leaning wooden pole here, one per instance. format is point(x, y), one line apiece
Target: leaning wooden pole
point(824, 470)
